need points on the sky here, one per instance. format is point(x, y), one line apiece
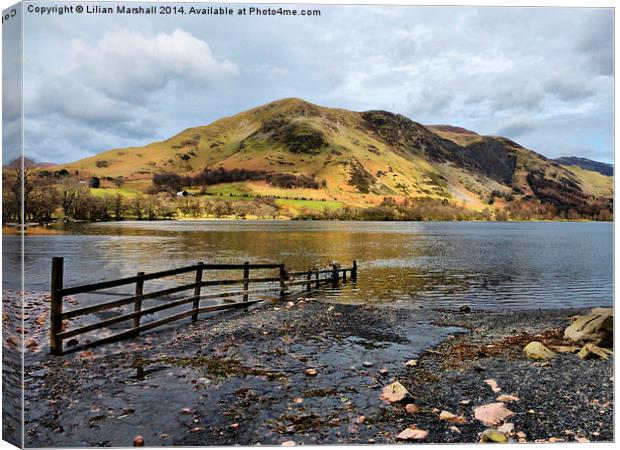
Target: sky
point(540, 76)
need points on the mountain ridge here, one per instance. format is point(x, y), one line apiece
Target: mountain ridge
point(359, 158)
point(587, 164)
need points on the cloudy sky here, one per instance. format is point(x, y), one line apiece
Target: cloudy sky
point(540, 76)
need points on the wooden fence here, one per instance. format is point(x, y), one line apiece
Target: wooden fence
point(276, 286)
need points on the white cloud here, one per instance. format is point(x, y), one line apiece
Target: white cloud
point(111, 86)
point(129, 64)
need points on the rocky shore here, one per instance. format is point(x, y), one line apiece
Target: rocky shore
point(309, 372)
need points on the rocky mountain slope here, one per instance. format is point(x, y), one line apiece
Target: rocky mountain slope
point(587, 164)
point(359, 158)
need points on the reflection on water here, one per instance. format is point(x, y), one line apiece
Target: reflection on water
point(516, 265)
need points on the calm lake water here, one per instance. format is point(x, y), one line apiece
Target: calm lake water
point(488, 265)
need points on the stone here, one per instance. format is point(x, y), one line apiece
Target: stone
point(451, 417)
point(590, 350)
point(493, 435)
point(384, 372)
point(138, 441)
point(411, 363)
point(290, 304)
point(492, 413)
point(312, 372)
point(478, 368)
point(412, 434)
point(395, 392)
point(596, 327)
point(507, 428)
point(507, 398)
point(465, 309)
point(537, 350)
point(411, 408)
point(288, 444)
point(493, 385)
point(367, 364)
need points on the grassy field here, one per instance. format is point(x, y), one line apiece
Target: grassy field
point(126, 192)
point(309, 204)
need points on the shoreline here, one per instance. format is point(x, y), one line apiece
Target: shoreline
point(51, 229)
point(240, 378)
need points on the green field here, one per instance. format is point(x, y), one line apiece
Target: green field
point(309, 204)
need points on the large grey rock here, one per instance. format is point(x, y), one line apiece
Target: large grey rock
point(596, 327)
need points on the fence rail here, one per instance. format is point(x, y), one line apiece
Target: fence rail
point(278, 287)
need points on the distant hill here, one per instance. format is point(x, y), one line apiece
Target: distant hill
point(29, 163)
point(356, 158)
point(587, 164)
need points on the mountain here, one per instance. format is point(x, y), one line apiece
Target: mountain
point(356, 158)
point(587, 164)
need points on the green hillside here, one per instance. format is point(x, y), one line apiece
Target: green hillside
point(356, 159)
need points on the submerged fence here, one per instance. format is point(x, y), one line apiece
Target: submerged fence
point(275, 285)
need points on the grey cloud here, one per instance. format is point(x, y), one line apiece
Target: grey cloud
point(594, 41)
point(516, 127)
point(569, 89)
point(480, 69)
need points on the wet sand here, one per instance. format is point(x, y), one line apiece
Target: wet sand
point(240, 378)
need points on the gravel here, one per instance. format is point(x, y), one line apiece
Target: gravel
point(240, 378)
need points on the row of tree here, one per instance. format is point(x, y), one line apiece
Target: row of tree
point(172, 182)
point(72, 200)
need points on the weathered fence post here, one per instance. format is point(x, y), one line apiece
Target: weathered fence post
point(282, 280)
point(354, 271)
point(309, 283)
point(56, 305)
point(335, 275)
point(317, 275)
point(196, 303)
point(246, 282)
point(138, 303)
point(344, 275)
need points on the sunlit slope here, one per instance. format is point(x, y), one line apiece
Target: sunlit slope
point(357, 157)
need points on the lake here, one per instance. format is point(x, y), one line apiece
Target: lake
point(486, 265)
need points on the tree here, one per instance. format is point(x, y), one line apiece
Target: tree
point(119, 207)
point(151, 207)
point(137, 206)
point(75, 198)
point(221, 208)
